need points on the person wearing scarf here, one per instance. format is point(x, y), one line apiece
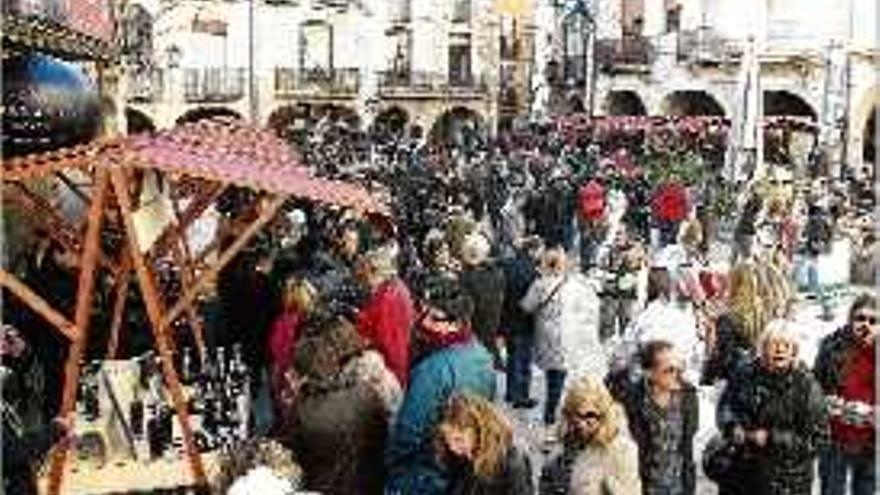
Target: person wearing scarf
point(452, 361)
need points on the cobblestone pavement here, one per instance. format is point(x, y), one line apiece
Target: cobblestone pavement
point(528, 426)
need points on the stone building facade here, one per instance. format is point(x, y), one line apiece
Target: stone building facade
point(817, 59)
point(398, 63)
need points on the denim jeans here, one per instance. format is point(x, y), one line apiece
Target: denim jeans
point(555, 386)
point(835, 464)
point(520, 348)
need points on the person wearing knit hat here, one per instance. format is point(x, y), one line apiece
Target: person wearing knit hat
point(452, 362)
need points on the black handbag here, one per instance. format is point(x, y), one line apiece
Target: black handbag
point(721, 458)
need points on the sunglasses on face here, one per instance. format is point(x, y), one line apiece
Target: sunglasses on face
point(871, 320)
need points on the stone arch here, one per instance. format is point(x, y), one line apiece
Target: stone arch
point(786, 103)
point(457, 124)
point(575, 104)
point(137, 122)
point(870, 137)
point(392, 120)
point(199, 113)
point(286, 120)
point(691, 103)
point(860, 141)
point(624, 102)
point(338, 114)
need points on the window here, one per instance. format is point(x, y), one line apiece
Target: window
point(316, 48)
point(461, 11)
point(673, 18)
point(575, 49)
point(401, 10)
point(460, 60)
point(633, 17)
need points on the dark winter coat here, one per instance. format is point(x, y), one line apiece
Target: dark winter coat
point(556, 474)
point(412, 464)
point(645, 424)
point(514, 478)
point(791, 407)
point(22, 450)
point(519, 274)
point(832, 358)
point(339, 429)
point(485, 285)
point(732, 351)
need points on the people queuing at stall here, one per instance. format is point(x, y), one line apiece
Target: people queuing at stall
point(381, 346)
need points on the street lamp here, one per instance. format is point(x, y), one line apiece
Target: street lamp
point(173, 54)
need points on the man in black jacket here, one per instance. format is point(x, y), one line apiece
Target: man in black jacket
point(23, 447)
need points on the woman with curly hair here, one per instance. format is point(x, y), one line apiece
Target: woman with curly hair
point(599, 456)
point(475, 442)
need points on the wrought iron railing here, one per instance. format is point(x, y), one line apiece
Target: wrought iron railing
point(342, 81)
point(628, 52)
point(145, 85)
point(421, 82)
point(214, 84)
point(705, 46)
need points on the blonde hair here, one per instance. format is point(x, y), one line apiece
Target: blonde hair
point(493, 433)
point(554, 260)
point(475, 249)
point(590, 392)
point(758, 293)
point(691, 234)
point(779, 330)
point(299, 295)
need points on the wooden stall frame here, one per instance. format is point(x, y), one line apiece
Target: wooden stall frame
point(111, 200)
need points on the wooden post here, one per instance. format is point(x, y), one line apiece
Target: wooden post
point(154, 312)
point(180, 249)
point(84, 296)
point(189, 295)
point(193, 211)
point(38, 304)
point(120, 295)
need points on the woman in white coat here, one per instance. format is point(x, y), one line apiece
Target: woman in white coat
point(566, 312)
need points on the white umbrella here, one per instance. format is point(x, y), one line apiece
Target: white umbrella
point(746, 140)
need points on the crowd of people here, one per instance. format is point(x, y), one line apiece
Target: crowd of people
point(384, 349)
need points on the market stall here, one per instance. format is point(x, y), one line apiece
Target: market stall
point(122, 237)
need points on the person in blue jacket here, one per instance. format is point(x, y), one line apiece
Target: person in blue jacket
point(454, 362)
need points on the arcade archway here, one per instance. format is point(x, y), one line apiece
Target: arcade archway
point(138, 122)
point(200, 113)
point(786, 103)
point(624, 103)
point(458, 125)
point(691, 103)
point(392, 122)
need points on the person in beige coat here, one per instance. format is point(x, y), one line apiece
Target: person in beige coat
point(608, 464)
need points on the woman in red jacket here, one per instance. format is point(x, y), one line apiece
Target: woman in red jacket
point(386, 318)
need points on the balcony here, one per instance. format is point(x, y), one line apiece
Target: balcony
point(145, 86)
point(631, 54)
point(704, 46)
point(214, 84)
point(417, 84)
point(316, 82)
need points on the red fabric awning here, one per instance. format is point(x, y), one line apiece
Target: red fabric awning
point(227, 151)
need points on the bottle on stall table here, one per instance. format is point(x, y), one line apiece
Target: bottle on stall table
point(221, 364)
point(186, 372)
